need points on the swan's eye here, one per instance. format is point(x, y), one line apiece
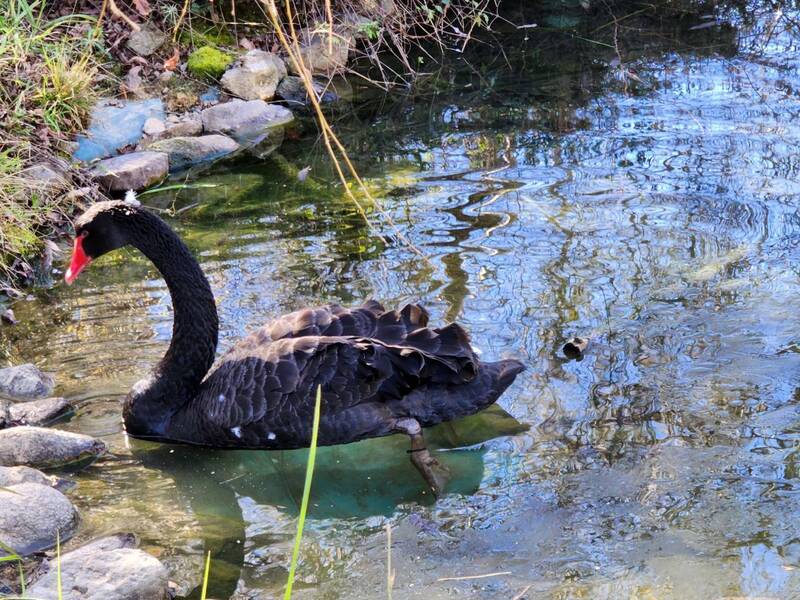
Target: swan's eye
point(83, 234)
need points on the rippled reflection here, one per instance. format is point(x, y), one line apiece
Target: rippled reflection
point(648, 203)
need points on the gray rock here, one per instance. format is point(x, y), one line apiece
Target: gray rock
point(154, 127)
point(292, 90)
point(186, 128)
point(115, 124)
point(107, 569)
point(13, 475)
point(46, 177)
point(244, 120)
point(187, 151)
point(25, 382)
point(377, 8)
point(254, 76)
point(46, 448)
point(147, 40)
point(321, 55)
point(35, 412)
point(31, 514)
point(134, 171)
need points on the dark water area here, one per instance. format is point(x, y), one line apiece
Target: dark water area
point(626, 173)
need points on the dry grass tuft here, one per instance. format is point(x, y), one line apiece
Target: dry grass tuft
point(48, 75)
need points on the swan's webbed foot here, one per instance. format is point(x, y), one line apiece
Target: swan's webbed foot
point(435, 474)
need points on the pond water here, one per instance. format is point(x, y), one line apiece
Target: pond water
point(644, 196)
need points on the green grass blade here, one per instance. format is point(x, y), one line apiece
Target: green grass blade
point(21, 578)
point(178, 186)
point(205, 576)
point(312, 456)
point(12, 554)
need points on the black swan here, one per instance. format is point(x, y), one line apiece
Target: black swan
point(382, 372)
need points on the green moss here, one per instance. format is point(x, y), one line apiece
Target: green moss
point(208, 62)
point(217, 36)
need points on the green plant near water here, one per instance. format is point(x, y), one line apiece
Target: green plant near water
point(301, 520)
point(48, 69)
point(12, 556)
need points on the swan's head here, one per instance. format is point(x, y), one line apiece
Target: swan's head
point(104, 227)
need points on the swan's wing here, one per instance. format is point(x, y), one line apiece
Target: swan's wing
point(265, 398)
point(370, 320)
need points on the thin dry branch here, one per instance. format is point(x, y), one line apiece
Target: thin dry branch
point(115, 10)
point(291, 45)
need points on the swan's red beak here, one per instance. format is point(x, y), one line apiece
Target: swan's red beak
point(79, 261)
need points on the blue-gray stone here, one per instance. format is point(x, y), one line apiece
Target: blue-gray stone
point(185, 152)
point(211, 95)
point(115, 124)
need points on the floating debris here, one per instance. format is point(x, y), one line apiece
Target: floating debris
point(575, 348)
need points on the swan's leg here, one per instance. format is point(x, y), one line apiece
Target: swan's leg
point(432, 470)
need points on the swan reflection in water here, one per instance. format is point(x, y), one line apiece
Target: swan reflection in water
point(355, 481)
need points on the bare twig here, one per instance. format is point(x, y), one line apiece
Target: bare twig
point(179, 22)
point(468, 577)
point(522, 593)
point(115, 10)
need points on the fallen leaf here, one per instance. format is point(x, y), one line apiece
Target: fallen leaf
point(8, 317)
point(247, 44)
point(142, 7)
point(172, 62)
point(133, 80)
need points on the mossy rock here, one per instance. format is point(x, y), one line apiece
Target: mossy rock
point(208, 62)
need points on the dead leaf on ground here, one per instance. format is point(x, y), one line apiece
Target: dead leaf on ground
point(133, 81)
point(142, 7)
point(172, 62)
point(247, 44)
point(8, 317)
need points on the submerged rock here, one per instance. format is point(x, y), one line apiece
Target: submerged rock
point(31, 514)
point(267, 143)
point(115, 124)
point(46, 448)
point(245, 121)
point(25, 382)
point(106, 569)
point(147, 40)
point(187, 151)
point(134, 171)
point(35, 412)
point(255, 76)
point(291, 89)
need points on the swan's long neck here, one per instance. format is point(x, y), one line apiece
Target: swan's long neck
point(177, 377)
